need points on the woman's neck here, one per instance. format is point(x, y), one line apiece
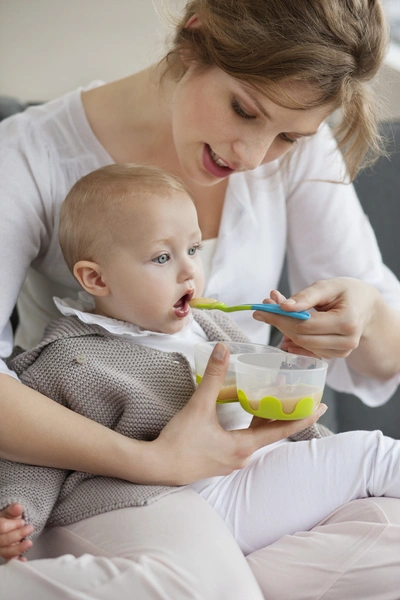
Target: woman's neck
point(131, 119)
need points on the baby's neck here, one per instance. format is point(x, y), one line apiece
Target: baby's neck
point(103, 309)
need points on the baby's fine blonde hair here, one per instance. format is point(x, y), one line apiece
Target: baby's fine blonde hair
point(335, 46)
point(94, 213)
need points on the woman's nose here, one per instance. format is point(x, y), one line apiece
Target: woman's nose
point(252, 153)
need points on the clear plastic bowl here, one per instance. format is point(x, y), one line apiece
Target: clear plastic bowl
point(280, 386)
point(202, 352)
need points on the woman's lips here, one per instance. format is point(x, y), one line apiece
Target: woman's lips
point(211, 166)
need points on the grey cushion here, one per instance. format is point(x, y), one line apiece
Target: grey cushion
point(379, 191)
point(9, 106)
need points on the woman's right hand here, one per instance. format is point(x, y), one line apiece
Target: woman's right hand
point(12, 533)
point(196, 446)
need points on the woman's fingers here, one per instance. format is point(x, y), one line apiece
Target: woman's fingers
point(275, 297)
point(266, 432)
point(321, 293)
point(294, 349)
point(322, 345)
point(343, 310)
point(213, 377)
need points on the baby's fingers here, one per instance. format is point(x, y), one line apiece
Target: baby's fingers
point(9, 524)
point(15, 550)
point(13, 511)
point(13, 543)
point(14, 536)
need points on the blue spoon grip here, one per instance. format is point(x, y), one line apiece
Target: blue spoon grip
point(275, 308)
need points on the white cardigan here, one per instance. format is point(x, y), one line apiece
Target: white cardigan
point(290, 206)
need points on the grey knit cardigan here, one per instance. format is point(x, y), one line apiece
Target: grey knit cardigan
point(127, 387)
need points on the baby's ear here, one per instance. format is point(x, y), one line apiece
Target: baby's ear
point(90, 277)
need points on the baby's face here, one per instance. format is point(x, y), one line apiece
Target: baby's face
point(157, 269)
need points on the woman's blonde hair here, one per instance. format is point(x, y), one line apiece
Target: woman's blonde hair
point(335, 46)
point(94, 213)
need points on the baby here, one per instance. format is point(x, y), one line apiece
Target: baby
point(122, 355)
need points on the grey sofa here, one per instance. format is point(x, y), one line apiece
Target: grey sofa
point(379, 191)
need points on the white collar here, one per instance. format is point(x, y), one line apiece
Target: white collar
point(83, 306)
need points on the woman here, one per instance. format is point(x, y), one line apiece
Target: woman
point(236, 110)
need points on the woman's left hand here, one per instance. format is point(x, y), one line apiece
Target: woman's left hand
point(350, 318)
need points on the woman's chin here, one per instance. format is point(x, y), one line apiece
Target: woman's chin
point(199, 175)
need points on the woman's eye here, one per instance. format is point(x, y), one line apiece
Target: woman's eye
point(285, 138)
point(160, 260)
point(239, 110)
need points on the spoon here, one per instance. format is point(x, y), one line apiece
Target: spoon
point(212, 304)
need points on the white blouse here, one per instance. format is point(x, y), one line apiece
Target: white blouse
point(290, 207)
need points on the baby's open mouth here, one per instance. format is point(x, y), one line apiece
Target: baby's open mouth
point(182, 308)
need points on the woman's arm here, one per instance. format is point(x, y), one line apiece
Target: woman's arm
point(377, 353)
point(331, 242)
point(192, 446)
point(37, 430)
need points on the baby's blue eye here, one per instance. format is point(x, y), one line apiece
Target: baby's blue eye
point(160, 260)
point(192, 251)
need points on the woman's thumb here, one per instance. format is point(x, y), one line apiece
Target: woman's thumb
point(214, 374)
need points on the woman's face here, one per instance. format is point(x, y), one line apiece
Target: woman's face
point(221, 125)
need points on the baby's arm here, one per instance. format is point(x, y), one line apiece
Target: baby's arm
point(27, 497)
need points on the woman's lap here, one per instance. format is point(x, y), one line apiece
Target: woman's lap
point(353, 553)
point(176, 548)
point(182, 550)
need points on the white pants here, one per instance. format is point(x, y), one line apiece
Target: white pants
point(179, 549)
point(290, 487)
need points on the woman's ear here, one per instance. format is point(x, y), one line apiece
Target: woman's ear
point(90, 277)
point(193, 22)
point(185, 54)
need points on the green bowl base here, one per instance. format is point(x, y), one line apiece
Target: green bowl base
point(271, 408)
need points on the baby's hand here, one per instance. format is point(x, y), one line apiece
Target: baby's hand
point(12, 531)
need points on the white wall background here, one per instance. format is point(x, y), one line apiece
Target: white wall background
point(48, 47)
